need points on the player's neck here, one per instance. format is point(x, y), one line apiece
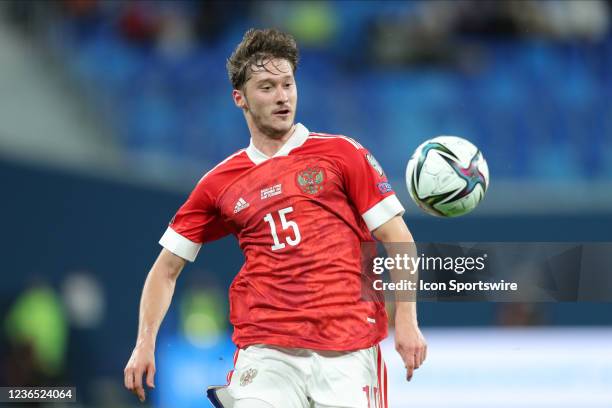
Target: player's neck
point(269, 145)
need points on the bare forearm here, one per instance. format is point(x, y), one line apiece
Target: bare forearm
point(409, 341)
point(406, 312)
point(398, 242)
point(405, 301)
point(156, 297)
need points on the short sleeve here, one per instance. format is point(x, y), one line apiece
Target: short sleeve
point(196, 222)
point(367, 186)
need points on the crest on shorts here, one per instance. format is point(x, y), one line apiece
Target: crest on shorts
point(375, 164)
point(311, 180)
point(247, 377)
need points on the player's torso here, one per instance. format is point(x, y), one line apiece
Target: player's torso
point(291, 205)
point(301, 236)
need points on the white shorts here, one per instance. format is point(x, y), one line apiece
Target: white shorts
point(303, 378)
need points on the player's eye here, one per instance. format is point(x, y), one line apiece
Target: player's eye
point(288, 84)
point(266, 88)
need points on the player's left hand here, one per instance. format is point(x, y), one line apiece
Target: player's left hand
point(410, 344)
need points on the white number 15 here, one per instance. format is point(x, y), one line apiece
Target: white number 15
point(285, 224)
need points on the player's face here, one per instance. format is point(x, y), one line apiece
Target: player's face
point(269, 98)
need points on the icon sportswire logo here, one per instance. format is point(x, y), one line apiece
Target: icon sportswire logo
point(241, 204)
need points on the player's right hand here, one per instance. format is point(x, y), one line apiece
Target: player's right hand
point(141, 363)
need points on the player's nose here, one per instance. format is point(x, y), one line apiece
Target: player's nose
point(282, 96)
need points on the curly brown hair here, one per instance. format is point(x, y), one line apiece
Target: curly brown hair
point(256, 48)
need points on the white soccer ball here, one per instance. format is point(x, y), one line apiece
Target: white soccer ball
point(447, 176)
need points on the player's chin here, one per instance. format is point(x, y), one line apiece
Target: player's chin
point(283, 120)
point(281, 124)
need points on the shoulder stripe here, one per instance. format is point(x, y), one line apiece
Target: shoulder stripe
point(221, 163)
point(327, 136)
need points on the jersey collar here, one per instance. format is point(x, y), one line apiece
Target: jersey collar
point(299, 136)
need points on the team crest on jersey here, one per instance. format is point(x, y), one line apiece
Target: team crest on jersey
point(311, 180)
point(375, 164)
point(247, 377)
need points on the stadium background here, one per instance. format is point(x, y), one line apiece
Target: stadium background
point(111, 111)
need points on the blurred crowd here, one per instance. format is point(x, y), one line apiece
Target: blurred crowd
point(403, 32)
point(477, 69)
point(398, 32)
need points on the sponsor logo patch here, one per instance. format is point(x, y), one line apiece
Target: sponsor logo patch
point(375, 164)
point(271, 191)
point(384, 187)
point(241, 204)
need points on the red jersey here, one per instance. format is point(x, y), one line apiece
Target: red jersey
point(300, 218)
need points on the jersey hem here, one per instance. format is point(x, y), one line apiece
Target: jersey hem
point(293, 343)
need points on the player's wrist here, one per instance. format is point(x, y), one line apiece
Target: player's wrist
point(405, 307)
point(145, 342)
point(405, 314)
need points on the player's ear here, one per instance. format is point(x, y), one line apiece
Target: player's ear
point(239, 99)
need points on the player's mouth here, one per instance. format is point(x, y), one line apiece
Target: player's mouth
point(282, 112)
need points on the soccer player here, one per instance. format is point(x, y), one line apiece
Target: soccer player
point(300, 204)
